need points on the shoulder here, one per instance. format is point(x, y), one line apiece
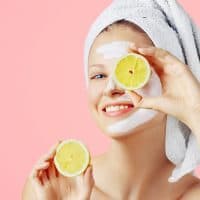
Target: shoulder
point(27, 191)
point(193, 193)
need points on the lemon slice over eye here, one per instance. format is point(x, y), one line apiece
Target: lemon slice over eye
point(72, 157)
point(132, 71)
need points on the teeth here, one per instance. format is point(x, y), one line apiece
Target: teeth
point(115, 108)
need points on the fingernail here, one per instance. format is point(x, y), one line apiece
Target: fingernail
point(141, 50)
point(149, 48)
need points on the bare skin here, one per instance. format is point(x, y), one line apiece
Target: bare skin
point(135, 166)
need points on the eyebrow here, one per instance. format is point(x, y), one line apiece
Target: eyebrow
point(97, 65)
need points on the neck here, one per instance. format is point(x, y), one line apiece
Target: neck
point(135, 159)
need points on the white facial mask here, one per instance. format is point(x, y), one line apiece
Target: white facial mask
point(125, 126)
point(142, 115)
point(114, 49)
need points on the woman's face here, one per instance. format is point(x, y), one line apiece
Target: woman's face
point(111, 108)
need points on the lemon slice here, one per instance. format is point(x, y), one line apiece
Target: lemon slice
point(132, 71)
point(72, 157)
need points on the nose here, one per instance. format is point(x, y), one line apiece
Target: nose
point(112, 88)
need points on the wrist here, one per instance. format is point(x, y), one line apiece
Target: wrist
point(194, 123)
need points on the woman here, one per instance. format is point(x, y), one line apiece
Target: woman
point(135, 166)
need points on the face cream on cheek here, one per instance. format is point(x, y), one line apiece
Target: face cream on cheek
point(141, 115)
point(115, 49)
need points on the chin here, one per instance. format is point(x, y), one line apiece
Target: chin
point(123, 131)
point(120, 131)
point(121, 134)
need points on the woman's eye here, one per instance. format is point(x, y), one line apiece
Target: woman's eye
point(98, 76)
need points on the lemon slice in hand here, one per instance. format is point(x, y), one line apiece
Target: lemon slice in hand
point(72, 158)
point(132, 71)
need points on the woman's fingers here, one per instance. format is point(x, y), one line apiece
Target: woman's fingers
point(44, 169)
point(88, 177)
point(45, 177)
point(150, 102)
point(88, 181)
point(37, 176)
point(161, 59)
point(43, 165)
point(52, 171)
point(37, 170)
point(46, 160)
point(85, 182)
point(136, 98)
point(51, 153)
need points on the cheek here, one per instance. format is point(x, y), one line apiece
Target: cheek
point(153, 87)
point(95, 92)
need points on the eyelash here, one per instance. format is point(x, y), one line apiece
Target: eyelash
point(93, 77)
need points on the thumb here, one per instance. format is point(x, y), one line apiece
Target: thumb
point(147, 102)
point(88, 177)
point(86, 183)
point(150, 103)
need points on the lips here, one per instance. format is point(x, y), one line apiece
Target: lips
point(117, 108)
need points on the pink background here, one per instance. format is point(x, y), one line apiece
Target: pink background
point(43, 96)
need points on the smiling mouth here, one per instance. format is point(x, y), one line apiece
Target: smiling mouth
point(117, 110)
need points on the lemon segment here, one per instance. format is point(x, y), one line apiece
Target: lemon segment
point(72, 158)
point(132, 71)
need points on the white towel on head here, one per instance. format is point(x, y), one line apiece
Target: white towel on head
point(170, 28)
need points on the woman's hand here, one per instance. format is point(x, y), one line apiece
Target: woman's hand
point(48, 184)
point(181, 89)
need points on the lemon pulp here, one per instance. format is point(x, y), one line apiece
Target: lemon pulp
point(72, 158)
point(132, 71)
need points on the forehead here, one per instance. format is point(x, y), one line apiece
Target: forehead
point(117, 33)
